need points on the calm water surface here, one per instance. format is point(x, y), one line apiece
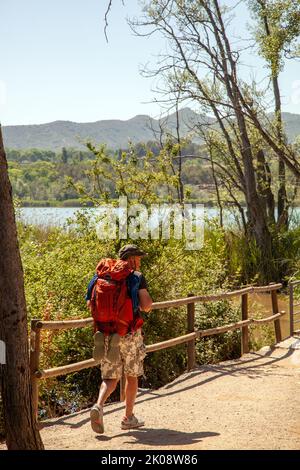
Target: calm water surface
point(58, 216)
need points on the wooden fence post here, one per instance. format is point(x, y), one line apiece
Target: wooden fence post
point(191, 346)
point(291, 287)
point(35, 345)
point(245, 329)
point(275, 309)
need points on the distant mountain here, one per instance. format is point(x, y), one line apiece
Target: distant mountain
point(114, 133)
point(292, 125)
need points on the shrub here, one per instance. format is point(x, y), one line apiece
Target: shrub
point(58, 265)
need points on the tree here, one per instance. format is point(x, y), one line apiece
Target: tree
point(64, 155)
point(127, 174)
point(20, 422)
point(277, 29)
point(204, 66)
point(197, 37)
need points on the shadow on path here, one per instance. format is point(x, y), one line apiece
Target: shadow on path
point(220, 370)
point(160, 437)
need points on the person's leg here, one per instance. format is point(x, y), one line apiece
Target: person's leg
point(106, 389)
point(133, 352)
point(131, 389)
point(111, 373)
point(96, 414)
point(130, 421)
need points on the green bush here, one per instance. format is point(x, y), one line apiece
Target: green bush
point(213, 349)
point(58, 265)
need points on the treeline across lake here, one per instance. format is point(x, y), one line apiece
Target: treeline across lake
point(42, 177)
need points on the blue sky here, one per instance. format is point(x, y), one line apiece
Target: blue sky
point(56, 64)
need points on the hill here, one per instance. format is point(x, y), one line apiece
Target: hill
point(115, 133)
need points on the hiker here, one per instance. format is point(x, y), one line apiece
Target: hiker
point(116, 296)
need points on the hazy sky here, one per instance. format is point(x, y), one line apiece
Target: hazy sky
point(57, 65)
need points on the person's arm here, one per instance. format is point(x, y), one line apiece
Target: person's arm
point(145, 301)
point(90, 290)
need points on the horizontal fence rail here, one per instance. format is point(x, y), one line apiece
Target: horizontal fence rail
point(68, 324)
point(189, 338)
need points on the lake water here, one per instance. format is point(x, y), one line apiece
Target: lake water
point(48, 216)
point(58, 216)
point(261, 303)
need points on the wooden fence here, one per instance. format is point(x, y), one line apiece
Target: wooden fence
point(294, 289)
point(190, 338)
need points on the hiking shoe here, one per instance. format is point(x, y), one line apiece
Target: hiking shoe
point(96, 415)
point(131, 423)
point(113, 351)
point(99, 350)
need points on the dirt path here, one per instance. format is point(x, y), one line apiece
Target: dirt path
point(250, 403)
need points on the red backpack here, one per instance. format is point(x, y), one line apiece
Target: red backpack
point(112, 308)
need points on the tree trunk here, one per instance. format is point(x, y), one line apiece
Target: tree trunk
point(264, 182)
point(216, 187)
point(258, 221)
point(255, 206)
point(282, 196)
point(180, 189)
point(20, 424)
point(283, 220)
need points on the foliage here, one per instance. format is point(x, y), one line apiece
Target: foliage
point(44, 181)
point(204, 66)
point(213, 349)
point(42, 177)
point(57, 267)
point(283, 22)
point(58, 264)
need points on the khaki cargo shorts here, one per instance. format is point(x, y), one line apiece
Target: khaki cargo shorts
point(132, 354)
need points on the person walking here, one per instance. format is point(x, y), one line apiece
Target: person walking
point(116, 296)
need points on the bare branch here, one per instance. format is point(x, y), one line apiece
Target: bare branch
point(106, 17)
